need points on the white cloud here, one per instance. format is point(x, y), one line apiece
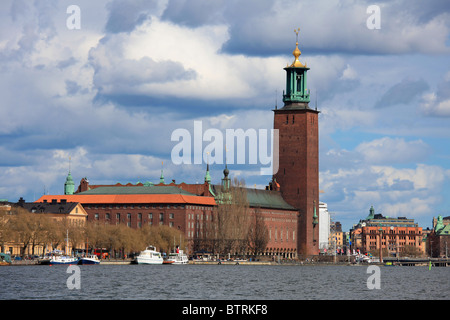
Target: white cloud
point(430, 106)
point(393, 150)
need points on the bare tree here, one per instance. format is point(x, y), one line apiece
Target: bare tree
point(231, 220)
point(258, 235)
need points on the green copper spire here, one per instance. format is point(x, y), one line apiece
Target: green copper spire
point(371, 213)
point(161, 179)
point(69, 186)
point(296, 90)
point(207, 175)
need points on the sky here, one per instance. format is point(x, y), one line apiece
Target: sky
point(100, 89)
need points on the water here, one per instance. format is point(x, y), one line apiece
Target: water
point(223, 282)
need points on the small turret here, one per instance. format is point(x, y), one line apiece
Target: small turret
point(207, 175)
point(161, 179)
point(69, 186)
point(371, 213)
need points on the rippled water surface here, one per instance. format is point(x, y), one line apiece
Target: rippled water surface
point(224, 282)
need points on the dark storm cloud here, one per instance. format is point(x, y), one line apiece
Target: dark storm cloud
point(402, 93)
point(66, 63)
point(263, 28)
point(125, 16)
point(421, 11)
point(185, 108)
point(128, 75)
point(195, 13)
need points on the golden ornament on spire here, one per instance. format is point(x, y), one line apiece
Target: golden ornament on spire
point(297, 52)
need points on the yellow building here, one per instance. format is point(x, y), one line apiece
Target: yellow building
point(69, 215)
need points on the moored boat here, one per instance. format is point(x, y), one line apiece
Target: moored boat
point(149, 256)
point(5, 259)
point(89, 259)
point(177, 257)
point(63, 260)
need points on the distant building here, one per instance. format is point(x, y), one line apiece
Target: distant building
point(71, 212)
point(438, 241)
point(398, 235)
point(186, 207)
point(324, 227)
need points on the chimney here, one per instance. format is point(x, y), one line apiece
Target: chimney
point(21, 202)
point(54, 201)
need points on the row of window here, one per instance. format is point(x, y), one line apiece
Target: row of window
point(410, 237)
point(139, 216)
point(411, 232)
point(153, 206)
point(400, 249)
point(281, 235)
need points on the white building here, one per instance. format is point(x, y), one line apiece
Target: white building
point(324, 226)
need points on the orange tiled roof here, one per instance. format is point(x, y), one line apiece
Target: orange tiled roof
point(131, 198)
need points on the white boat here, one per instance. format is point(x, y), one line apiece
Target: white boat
point(89, 259)
point(177, 257)
point(364, 259)
point(60, 259)
point(149, 256)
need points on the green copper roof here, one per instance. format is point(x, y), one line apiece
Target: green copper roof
point(138, 190)
point(267, 199)
point(257, 198)
point(445, 231)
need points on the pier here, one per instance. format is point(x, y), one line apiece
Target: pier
point(435, 262)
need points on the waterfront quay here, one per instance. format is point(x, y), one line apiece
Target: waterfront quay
point(435, 262)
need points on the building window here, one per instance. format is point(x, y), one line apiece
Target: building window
point(108, 216)
point(118, 216)
point(171, 224)
point(161, 216)
point(150, 216)
point(171, 215)
point(96, 216)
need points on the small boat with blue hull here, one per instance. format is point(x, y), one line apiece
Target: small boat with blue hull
point(89, 259)
point(63, 260)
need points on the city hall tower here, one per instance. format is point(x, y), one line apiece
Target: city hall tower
point(298, 171)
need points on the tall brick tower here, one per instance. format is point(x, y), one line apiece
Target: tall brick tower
point(298, 173)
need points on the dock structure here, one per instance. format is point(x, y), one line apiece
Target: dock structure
point(435, 262)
